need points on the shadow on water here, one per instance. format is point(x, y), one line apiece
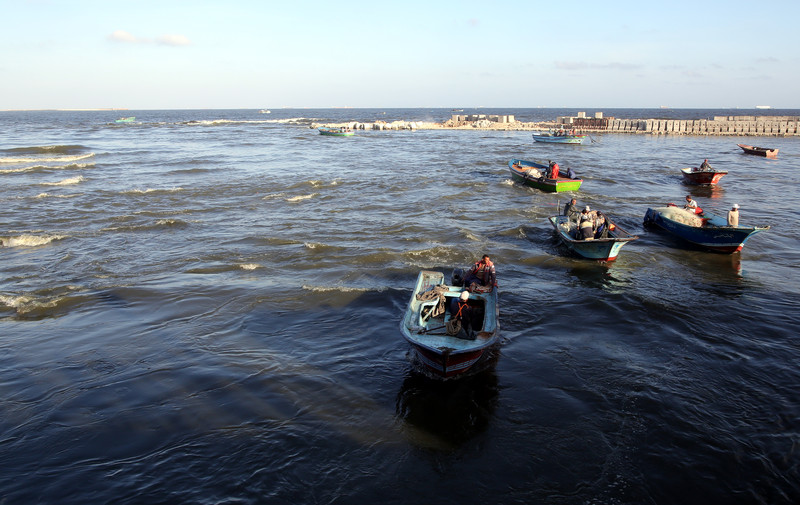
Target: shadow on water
point(454, 411)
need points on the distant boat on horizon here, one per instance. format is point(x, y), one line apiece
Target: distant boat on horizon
point(763, 106)
point(265, 111)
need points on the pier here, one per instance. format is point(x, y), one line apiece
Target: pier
point(776, 126)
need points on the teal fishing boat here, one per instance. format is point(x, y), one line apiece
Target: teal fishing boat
point(604, 248)
point(442, 352)
point(534, 174)
point(560, 138)
point(336, 131)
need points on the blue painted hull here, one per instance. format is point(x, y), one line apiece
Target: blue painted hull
point(605, 249)
point(714, 235)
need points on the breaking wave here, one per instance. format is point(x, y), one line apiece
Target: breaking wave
point(29, 240)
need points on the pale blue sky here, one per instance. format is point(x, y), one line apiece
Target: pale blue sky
point(143, 54)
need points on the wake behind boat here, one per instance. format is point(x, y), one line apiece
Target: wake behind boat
point(534, 174)
point(706, 230)
point(443, 352)
point(606, 247)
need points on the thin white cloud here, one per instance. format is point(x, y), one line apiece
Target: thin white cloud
point(173, 40)
point(123, 36)
point(582, 65)
point(164, 40)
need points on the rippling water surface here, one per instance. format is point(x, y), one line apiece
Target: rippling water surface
point(203, 307)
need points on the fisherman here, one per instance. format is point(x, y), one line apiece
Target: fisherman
point(586, 224)
point(571, 210)
point(482, 274)
point(733, 215)
point(552, 171)
point(461, 316)
point(705, 166)
point(691, 205)
point(601, 226)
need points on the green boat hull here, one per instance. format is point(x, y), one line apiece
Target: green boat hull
point(527, 172)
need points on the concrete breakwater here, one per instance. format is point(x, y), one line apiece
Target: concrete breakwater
point(718, 125)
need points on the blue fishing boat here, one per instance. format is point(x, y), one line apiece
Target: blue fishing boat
point(706, 230)
point(558, 137)
point(603, 248)
point(442, 352)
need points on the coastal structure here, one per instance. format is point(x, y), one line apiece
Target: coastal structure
point(718, 125)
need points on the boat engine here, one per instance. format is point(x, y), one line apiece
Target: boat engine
point(457, 279)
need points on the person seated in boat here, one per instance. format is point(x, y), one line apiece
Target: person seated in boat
point(571, 210)
point(705, 166)
point(586, 225)
point(733, 215)
point(571, 174)
point(482, 274)
point(691, 205)
point(600, 226)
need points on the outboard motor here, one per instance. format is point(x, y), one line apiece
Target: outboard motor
point(457, 279)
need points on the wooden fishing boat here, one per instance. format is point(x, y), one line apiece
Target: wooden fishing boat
point(126, 119)
point(702, 177)
point(556, 138)
point(533, 174)
point(606, 249)
point(336, 131)
point(759, 151)
point(424, 326)
point(706, 230)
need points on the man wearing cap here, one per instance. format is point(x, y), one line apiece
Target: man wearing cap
point(586, 225)
point(733, 215)
point(460, 312)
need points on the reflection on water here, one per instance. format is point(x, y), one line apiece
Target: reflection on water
point(454, 411)
point(714, 191)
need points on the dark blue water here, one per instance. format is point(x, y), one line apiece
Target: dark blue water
point(203, 307)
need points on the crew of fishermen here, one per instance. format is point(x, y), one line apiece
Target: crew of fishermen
point(592, 224)
point(553, 171)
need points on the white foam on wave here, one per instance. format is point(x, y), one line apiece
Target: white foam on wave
point(66, 182)
point(300, 198)
point(149, 190)
point(341, 289)
point(44, 159)
point(250, 266)
point(48, 195)
point(45, 167)
point(29, 240)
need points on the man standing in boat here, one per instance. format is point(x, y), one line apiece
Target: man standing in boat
point(571, 210)
point(733, 215)
point(482, 274)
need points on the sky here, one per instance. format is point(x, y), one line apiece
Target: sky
point(202, 54)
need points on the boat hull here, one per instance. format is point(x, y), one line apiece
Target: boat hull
point(439, 354)
point(702, 178)
point(759, 151)
point(560, 139)
point(713, 235)
point(336, 132)
point(604, 249)
point(528, 173)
